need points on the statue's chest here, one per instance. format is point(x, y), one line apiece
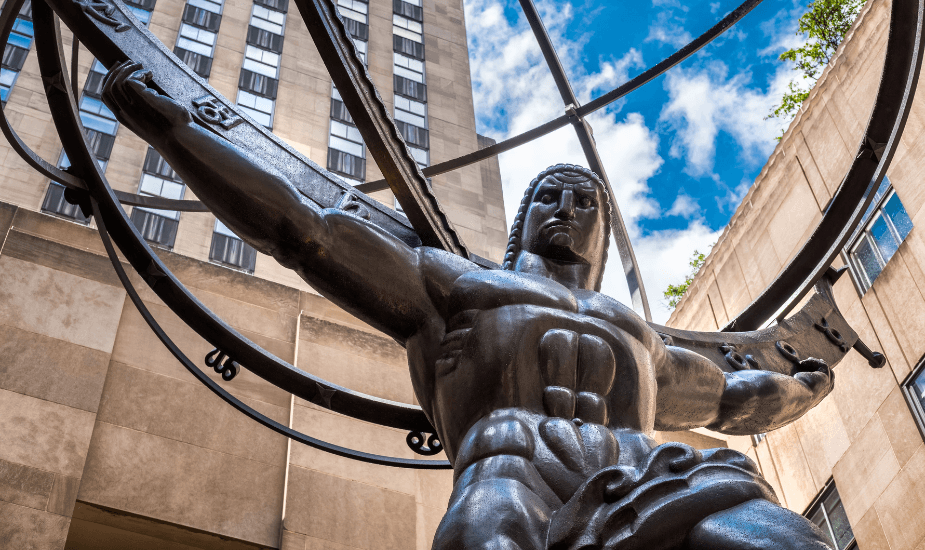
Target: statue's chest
point(486, 290)
point(535, 343)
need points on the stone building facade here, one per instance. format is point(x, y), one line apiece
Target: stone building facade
point(106, 442)
point(863, 445)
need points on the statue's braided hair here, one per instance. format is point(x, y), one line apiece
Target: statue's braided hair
point(564, 173)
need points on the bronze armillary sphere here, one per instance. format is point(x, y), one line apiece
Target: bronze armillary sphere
point(553, 434)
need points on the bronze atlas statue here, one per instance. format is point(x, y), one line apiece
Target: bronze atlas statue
point(543, 392)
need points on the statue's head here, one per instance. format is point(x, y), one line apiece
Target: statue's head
point(564, 216)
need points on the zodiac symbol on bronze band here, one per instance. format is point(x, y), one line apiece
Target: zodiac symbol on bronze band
point(788, 351)
point(212, 111)
point(102, 12)
point(416, 440)
point(833, 335)
point(736, 360)
point(228, 368)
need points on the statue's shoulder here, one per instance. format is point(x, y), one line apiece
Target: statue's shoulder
point(602, 306)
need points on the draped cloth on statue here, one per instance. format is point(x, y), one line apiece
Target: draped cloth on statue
point(655, 504)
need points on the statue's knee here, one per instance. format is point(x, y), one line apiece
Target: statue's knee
point(497, 514)
point(756, 525)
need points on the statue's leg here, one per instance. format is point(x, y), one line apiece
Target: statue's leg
point(493, 507)
point(756, 525)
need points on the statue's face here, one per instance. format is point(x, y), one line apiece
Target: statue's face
point(564, 221)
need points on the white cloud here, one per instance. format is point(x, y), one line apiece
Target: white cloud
point(704, 101)
point(664, 257)
point(515, 92)
point(668, 29)
point(684, 206)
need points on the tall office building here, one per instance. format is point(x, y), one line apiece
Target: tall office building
point(105, 440)
point(855, 465)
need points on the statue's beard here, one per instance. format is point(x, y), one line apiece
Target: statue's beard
point(561, 248)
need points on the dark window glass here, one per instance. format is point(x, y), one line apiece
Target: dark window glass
point(234, 252)
point(93, 87)
point(100, 143)
point(408, 10)
point(26, 10)
point(914, 390)
point(201, 64)
point(258, 84)
point(339, 112)
point(147, 5)
point(346, 164)
point(829, 514)
point(55, 203)
point(155, 228)
point(155, 164)
point(410, 88)
point(413, 135)
point(408, 47)
point(264, 39)
point(278, 5)
point(356, 29)
point(14, 57)
point(201, 18)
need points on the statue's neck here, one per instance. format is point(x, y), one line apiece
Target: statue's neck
point(571, 275)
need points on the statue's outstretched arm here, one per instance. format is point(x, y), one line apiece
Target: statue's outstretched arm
point(695, 392)
point(359, 266)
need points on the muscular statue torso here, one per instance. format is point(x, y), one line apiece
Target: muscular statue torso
point(516, 340)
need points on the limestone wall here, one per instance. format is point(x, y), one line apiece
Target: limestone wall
point(95, 411)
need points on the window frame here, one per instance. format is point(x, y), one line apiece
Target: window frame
point(859, 276)
point(819, 503)
point(912, 400)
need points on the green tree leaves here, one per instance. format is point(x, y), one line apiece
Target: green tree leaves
point(674, 292)
point(824, 25)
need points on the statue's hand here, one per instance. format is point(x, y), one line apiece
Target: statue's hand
point(816, 375)
point(145, 112)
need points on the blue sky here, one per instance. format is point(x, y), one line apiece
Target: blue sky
point(680, 152)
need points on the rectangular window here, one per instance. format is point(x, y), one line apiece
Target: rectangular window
point(258, 108)
point(158, 180)
point(278, 5)
point(829, 514)
point(146, 5)
point(208, 5)
point(258, 84)
point(914, 390)
point(154, 227)
point(228, 249)
point(339, 112)
point(410, 89)
point(883, 228)
point(196, 40)
point(17, 49)
point(413, 134)
point(408, 10)
point(203, 18)
point(54, 203)
point(264, 39)
point(201, 64)
point(268, 20)
point(346, 164)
